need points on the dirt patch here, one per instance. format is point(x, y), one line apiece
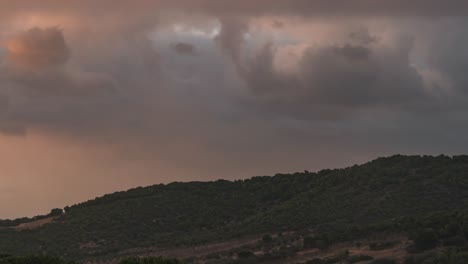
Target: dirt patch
point(397, 252)
point(203, 250)
point(185, 252)
point(34, 224)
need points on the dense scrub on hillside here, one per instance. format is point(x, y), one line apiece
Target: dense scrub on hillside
point(149, 260)
point(43, 259)
point(393, 193)
point(7, 259)
point(12, 223)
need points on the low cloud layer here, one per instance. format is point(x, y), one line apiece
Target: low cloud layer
point(184, 48)
point(142, 92)
point(242, 7)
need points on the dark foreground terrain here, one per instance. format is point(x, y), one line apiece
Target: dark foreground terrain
point(401, 209)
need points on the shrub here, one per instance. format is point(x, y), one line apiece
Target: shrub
point(359, 258)
point(384, 261)
point(315, 261)
point(425, 239)
point(267, 238)
point(5, 259)
point(456, 241)
point(316, 242)
point(149, 260)
point(376, 246)
point(245, 254)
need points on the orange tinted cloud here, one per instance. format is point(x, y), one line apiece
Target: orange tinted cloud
point(38, 48)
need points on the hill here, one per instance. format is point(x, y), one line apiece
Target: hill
point(387, 192)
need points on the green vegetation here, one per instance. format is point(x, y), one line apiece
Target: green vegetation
point(359, 258)
point(149, 260)
point(425, 239)
point(422, 196)
point(446, 256)
point(7, 259)
point(12, 223)
point(384, 261)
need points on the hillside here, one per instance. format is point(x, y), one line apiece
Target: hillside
point(340, 201)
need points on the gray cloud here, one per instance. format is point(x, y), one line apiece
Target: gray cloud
point(277, 24)
point(223, 7)
point(37, 61)
point(447, 53)
point(184, 48)
point(363, 37)
point(331, 80)
point(38, 48)
point(38, 84)
point(231, 38)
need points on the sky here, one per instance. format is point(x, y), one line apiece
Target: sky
point(102, 96)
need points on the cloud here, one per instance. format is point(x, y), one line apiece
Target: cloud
point(12, 130)
point(37, 61)
point(329, 80)
point(277, 24)
point(231, 38)
point(363, 36)
point(38, 49)
point(184, 48)
point(6, 127)
point(223, 7)
point(447, 53)
point(39, 85)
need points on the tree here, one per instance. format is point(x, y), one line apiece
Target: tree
point(56, 212)
point(267, 239)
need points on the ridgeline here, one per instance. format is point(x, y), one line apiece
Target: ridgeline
point(387, 193)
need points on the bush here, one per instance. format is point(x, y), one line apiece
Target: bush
point(359, 258)
point(456, 241)
point(267, 239)
point(430, 257)
point(376, 246)
point(149, 260)
point(425, 239)
point(315, 261)
point(316, 242)
point(245, 254)
point(5, 259)
point(384, 261)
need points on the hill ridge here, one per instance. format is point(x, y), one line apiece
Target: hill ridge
point(176, 214)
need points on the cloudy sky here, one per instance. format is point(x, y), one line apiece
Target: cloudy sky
point(100, 96)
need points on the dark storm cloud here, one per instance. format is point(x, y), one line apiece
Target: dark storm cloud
point(362, 36)
point(448, 53)
point(337, 79)
point(184, 48)
point(39, 86)
point(231, 38)
point(331, 80)
point(247, 7)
